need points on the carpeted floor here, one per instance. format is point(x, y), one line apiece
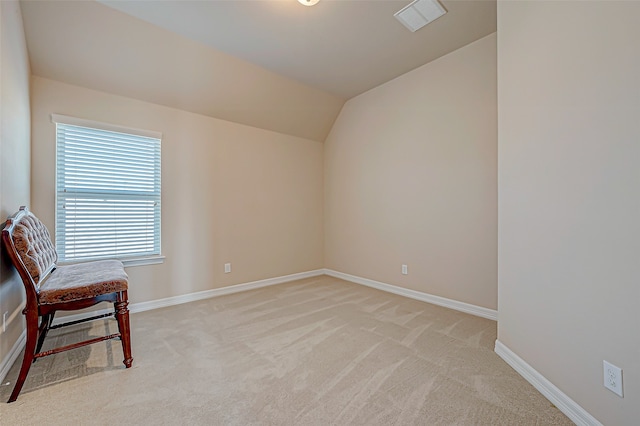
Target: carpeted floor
point(319, 351)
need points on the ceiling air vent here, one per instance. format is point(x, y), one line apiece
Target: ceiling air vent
point(419, 13)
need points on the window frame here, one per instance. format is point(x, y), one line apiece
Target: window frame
point(131, 260)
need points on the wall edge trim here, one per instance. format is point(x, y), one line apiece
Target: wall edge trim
point(568, 406)
point(222, 291)
point(467, 308)
point(11, 357)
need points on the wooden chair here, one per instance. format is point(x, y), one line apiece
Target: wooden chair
point(51, 288)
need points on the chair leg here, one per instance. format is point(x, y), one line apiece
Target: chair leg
point(29, 352)
point(47, 320)
point(122, 315)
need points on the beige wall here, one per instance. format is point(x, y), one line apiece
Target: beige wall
point(410, 178)
point(14, 156)
point(569, 179)
point(230, 193)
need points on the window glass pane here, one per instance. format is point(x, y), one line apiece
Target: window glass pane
point(108, 194)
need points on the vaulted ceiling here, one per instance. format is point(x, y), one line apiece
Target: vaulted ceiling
point(273, 64)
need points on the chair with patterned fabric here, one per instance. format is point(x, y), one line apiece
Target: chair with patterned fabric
point(51, 288)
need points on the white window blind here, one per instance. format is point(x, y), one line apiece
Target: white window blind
point(108, 192)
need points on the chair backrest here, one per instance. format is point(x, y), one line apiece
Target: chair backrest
point(29, 246)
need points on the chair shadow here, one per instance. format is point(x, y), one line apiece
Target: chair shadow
point(69, 365)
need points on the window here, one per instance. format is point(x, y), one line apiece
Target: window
point(107, 191)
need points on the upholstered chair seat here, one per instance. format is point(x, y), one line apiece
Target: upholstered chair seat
point(83, 281)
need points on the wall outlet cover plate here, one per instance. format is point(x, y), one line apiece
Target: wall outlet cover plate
point(613, 378)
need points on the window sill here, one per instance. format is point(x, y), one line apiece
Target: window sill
point(142, 261)
point(138, 261)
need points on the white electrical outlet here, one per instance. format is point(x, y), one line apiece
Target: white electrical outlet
point(613, 378)
point(227, 268)
point(405, 270)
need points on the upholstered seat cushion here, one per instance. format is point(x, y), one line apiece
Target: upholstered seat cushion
point(83, 280)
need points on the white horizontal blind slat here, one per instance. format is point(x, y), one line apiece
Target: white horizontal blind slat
point(108, 194)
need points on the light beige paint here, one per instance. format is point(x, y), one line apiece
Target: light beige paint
point(230, 193)
point(15, 129)
point(410, 178)
point(91, 45)
point(569, 204)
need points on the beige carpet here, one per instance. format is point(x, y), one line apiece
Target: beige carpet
point(319, 351)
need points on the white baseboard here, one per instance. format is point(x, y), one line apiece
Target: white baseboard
point(565, 404)
point(479, 311)
point(207, 294)
point(11, 357)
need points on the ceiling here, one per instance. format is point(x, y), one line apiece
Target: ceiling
point(273, 64)
point(344, 47)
